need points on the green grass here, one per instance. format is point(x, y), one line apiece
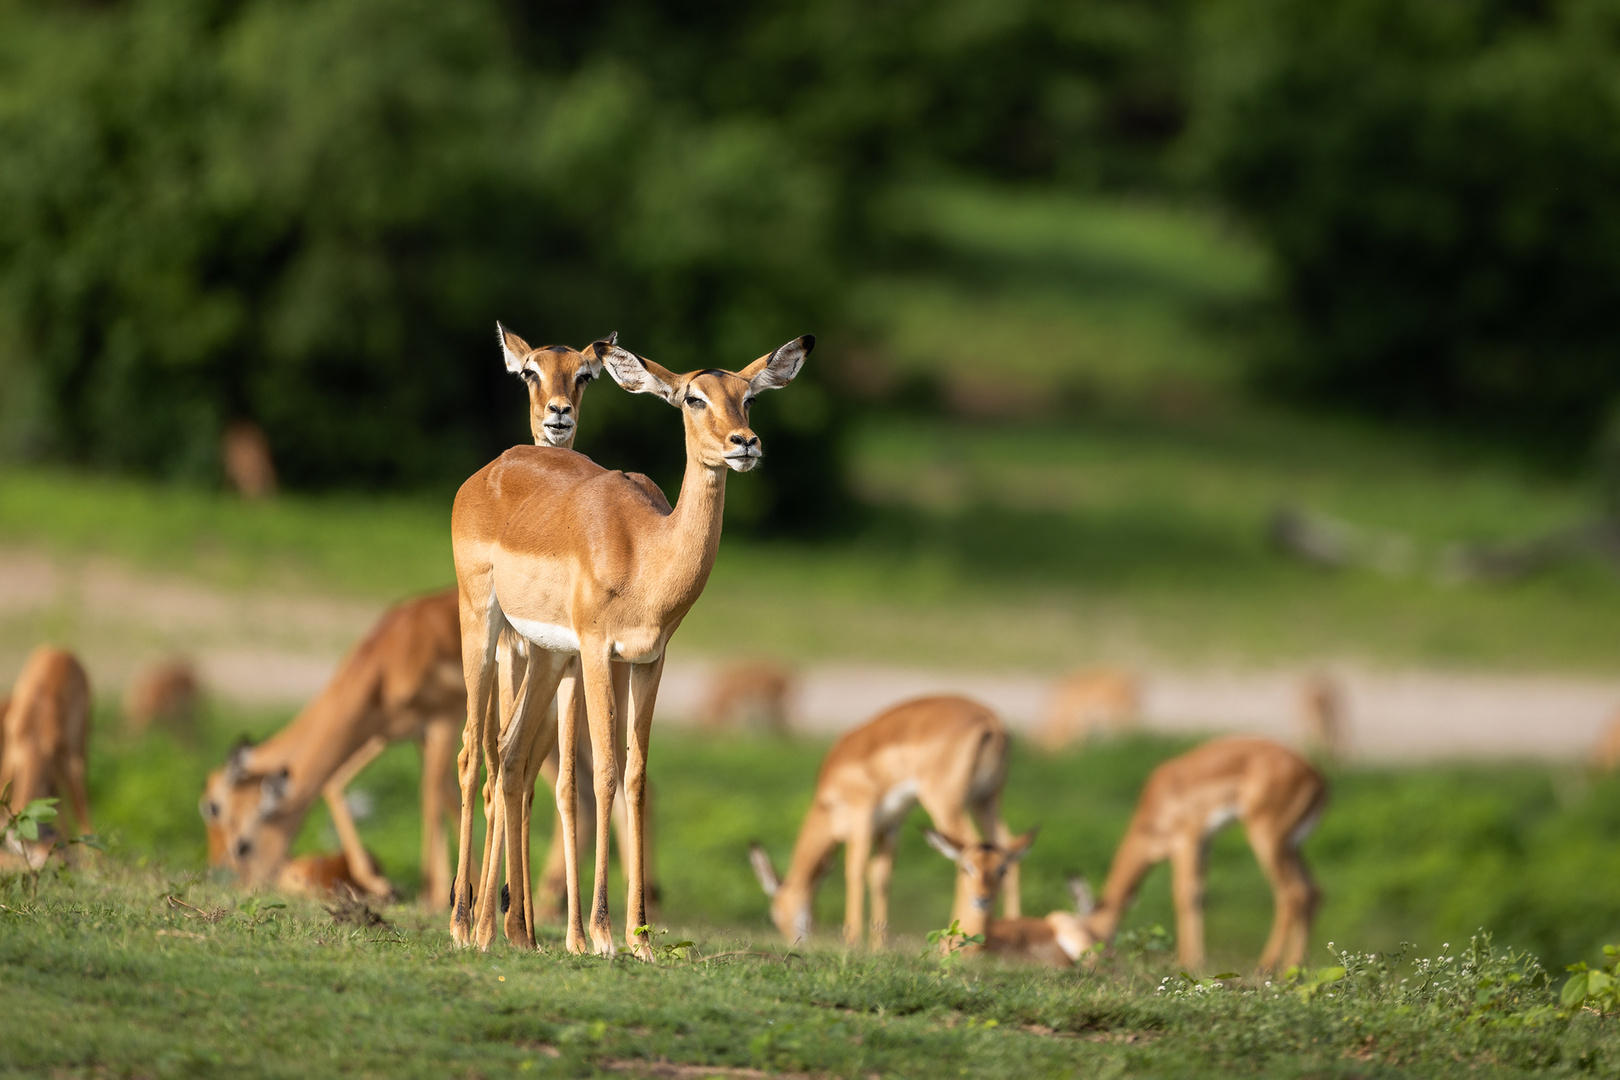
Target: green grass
point(1427, 856)
point(153, 989)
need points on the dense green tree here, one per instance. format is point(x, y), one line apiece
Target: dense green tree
point(1437, 181)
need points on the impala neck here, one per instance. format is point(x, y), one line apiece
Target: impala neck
point(692, 536)
point(321, 737)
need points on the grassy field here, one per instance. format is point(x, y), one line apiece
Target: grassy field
point(234, 985)
point(1426, 856)
point(1023, 546)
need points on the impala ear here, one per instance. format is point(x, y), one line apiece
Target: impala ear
point(272, 793)
point(943, 844)
point(778, 369)
point(761, 862)
point(1020, 845)
point(236, 762)
point(637, 375)
point(599, 349)
point(513, 348)
point(1080, 889)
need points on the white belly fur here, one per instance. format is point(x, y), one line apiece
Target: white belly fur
point(548, 636)
point(896, 804)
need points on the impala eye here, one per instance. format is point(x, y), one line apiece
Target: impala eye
point(584, 377)
point(696, 402)
point(529, 375)
point(748, 403)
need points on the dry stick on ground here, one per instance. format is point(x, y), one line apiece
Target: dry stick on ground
point(584, 563)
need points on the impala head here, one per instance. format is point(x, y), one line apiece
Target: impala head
point(790, 902)
point(237, 804)
point(713, 402)
point(984, 865)
point(556, 377)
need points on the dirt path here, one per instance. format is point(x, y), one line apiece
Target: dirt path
point(271, 649)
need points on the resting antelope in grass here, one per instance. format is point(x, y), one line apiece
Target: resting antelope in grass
point(585, 562)
point(948, 754)
point(1275, 793)
point(401, 682)
point(556, 377)
point(46, 734)
point(1058, 939)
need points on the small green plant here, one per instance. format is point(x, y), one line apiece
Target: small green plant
point(1594, 988)
point(1140, 944)
point(24, 825)
point(664, 950)
point(952, 940)
point(256, 913)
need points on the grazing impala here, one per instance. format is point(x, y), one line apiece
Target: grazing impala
point(1277, 796)
point(1085, 702)
point(947, 753)
point(401, 682)
point(584, 562)
point(46, 731)
point(1058, 939)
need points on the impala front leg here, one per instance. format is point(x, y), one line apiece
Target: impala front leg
point(644, 680)
point(529, 729)
point(597, 675)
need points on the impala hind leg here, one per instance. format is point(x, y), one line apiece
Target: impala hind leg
point(1294, 896)
point(643, 695)
point(856, 851)
point(602, 714)
point(529, 732)
point(570, 718)
point(438, 752)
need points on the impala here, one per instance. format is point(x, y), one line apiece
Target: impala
point(948, 754)
point(401, 682)
point(584, 562)
point(1058, 939)
point(1086, 701)
point(1275, 793)
point(46, 731)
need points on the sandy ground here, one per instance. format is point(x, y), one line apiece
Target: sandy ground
point(271, 649)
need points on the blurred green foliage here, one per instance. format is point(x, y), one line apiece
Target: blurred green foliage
point(1436, 182)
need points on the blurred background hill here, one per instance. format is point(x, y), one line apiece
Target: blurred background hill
point(309, 216)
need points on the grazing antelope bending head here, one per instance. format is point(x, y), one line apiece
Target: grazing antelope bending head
point(714, 403)
point(984, 865)
point(236, 805)
point(556, 377)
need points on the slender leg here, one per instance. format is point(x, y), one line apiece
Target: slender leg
point(551, 892)
point(77, 794)
point(528, 732)
point(478, 638)
point(600, 711)
point(643, 695)
point(438, 751)
point(1187, 886)
point(354, 852)
point(878, 872)
point(537, 756)
point(855, 856)
point(570, 713)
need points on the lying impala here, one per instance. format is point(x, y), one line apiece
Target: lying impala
point(586, 563)
point(401, 682)
point(1058, 939)
point(46, 732)
point(1277, 796)
point(948, 754)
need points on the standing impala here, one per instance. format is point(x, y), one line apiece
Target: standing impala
point(947, 753)
point(1277, 796)
point(584, 562)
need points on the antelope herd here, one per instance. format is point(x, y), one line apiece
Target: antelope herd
point(570, 581)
